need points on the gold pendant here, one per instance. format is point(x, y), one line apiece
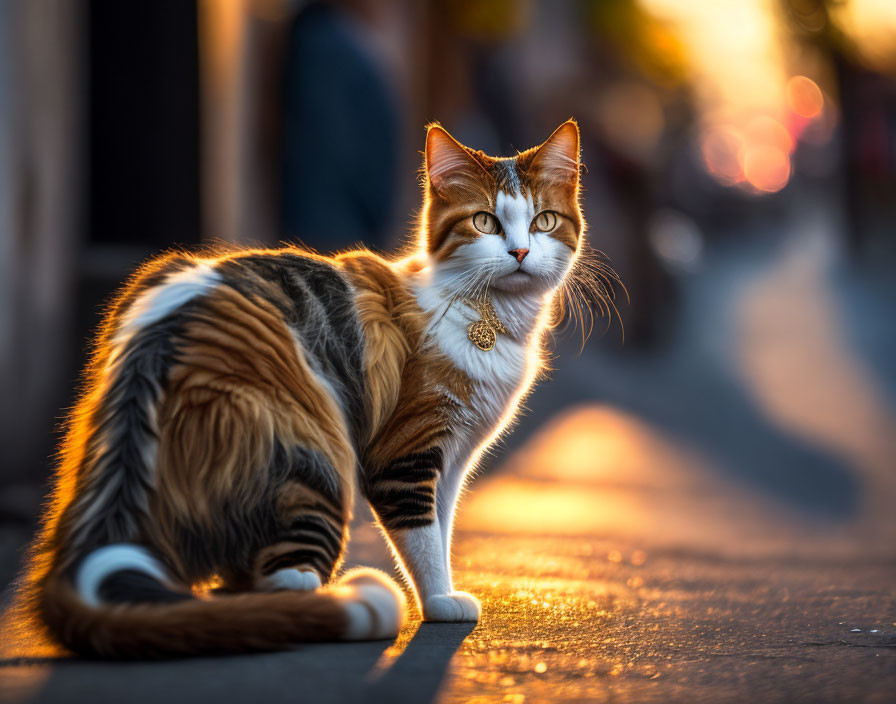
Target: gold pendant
point(484, 333)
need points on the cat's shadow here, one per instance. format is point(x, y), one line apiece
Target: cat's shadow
point(326, 672)
point(416, 676)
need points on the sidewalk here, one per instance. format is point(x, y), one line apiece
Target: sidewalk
point(713, 523)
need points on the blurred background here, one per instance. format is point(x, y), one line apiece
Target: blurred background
point(741, 178)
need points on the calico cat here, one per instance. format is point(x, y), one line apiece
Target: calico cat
point(236, 404)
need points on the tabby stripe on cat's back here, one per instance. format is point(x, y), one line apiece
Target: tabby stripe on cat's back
point(317, 304)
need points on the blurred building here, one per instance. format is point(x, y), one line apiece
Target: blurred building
point(127, 128)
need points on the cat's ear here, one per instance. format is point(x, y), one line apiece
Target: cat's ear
point(558, 158)
point(447, 162)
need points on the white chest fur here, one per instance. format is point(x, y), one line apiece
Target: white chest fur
point(498, 375)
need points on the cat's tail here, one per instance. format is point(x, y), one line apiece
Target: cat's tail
point(119, 604)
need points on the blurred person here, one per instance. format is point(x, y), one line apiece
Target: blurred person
point(340, 129)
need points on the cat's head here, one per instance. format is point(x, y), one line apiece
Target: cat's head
point(512, 224)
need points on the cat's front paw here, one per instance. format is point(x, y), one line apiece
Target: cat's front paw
point(457, 607)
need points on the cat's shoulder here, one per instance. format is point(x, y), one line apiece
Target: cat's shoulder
point(372, 272)
point(369, 267)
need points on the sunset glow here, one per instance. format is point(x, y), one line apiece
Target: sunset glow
point(872, 26)
point(752, 111)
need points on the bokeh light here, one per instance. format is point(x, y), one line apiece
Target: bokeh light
point(767, 131)
point(804, 97)
point(766, 167)
point(721, 147)
point(752, 112)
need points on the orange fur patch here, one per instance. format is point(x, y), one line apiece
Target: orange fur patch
point(408, 409)
point(240, 383)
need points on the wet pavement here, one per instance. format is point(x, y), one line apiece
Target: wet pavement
point(712, 522)
point(648, 591)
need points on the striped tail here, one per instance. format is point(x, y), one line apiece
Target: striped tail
point(120, 604)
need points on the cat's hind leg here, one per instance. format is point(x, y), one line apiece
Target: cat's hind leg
point(311, 517)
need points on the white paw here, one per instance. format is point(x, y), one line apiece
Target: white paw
point(457, 607)
point(374, 604)
point(290, 578)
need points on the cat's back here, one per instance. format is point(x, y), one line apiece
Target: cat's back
point(317, 304)
point(246, 319)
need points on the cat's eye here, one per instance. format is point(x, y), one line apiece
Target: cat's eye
point(486, 223)
point(545, 221)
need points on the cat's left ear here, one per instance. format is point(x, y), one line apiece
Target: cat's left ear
point(558, 158)
point(448, 163)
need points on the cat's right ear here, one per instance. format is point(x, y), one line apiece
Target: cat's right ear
point(448, 164)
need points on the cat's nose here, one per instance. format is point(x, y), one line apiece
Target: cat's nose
point(520, 253)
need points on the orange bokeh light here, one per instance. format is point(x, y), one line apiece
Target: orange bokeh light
point(767, 131)
point(766, 167)
point(757, 156)
point(804, 97)
point(721, 148)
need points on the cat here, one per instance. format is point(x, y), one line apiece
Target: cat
point(235, 404)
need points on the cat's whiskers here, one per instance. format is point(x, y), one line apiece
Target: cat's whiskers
point(590, 284)
point(475, 283)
